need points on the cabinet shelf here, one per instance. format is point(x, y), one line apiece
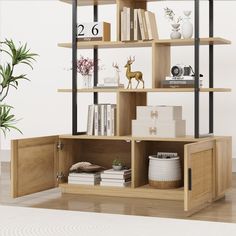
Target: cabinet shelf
point(148, 90)
point(134, 44)
point(141, 192)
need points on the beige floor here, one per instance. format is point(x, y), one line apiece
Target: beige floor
point(223, 210)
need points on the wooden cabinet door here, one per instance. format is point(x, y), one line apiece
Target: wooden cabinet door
point(198, 174)
point(34, 165)
point(223, 165)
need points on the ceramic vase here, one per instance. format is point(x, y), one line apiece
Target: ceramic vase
point(187, 26)
point(175, 34)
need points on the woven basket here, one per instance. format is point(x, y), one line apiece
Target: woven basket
point(164, 173)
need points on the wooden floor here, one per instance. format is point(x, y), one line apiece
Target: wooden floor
point(221, 211)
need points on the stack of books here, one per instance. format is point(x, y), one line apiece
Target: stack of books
point(138, 24)
point(101, 120)
point(185, 82)
point(115, 178)
point(84, 178)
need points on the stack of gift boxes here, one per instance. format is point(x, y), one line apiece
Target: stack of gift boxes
point(159, 121)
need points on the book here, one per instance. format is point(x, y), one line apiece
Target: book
point(127, 10)
point(151, 25)
point(96, 120)
point(113, 120)
point(179, 83)
point(112, 176)
point(116, 180)
point(177, 78)
point(117, 172)
point(124, 25)
point(122, 35)
point(142, 24)
point(83, 179)
point(137, 32)
point(113, 184)
point(84, 182)
point(85, 175)
point(90, 120)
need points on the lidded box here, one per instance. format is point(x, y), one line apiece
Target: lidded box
point(161, 129)
point(159, 121)
point(162, 113)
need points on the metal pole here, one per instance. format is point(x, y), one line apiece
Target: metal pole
point(74, 67)
point(95, 57)
point(211, 67)
point(197, 90)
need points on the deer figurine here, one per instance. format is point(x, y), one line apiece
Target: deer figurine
point(117, 73)
point(138, 75)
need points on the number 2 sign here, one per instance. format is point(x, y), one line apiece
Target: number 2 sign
point(94, 31)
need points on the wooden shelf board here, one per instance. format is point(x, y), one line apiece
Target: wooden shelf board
point(107, 44)
point(148, 90)
point(134, 44)
point(190, 42)
point(95, 137)
point(141, 192)
point(105, 2)
point(131, 138)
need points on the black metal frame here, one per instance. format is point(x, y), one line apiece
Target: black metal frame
point(196, 64)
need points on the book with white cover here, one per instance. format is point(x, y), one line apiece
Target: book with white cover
point(87, 175)
point(113, 184)
point(90, 120)
point(116, 180)
point(83, 179)
point(127, 10)
point(112, 176)
point(109, 119)
point(117, 172)
point(113, 121)
point(137, 32)
point(84, 182)
point(122, 26)
point(96, 120)
point(141, 24)
point(151, 25)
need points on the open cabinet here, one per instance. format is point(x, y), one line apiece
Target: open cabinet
point(43, 163)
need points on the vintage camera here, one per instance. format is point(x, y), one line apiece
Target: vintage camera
point(179, 71)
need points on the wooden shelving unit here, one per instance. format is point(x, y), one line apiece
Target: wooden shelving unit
point(206, 162)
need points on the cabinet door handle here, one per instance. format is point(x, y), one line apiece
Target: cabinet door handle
point(189, 179)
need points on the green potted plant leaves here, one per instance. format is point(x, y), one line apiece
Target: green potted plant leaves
point(117, 164)
point(8, 79)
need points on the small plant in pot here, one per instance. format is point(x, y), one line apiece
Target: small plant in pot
point(117, 165)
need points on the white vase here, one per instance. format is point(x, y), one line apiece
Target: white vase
point(187, 26)
point(175, 34)
point(87, 81)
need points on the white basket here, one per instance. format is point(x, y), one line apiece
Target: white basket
point(164, 173)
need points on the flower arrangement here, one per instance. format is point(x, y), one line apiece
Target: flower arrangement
point(85, 66)
point(169, 13)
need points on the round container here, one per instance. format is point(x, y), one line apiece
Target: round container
point(164, 173)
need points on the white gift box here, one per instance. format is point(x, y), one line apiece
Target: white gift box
point(165, 113)
point(158, 128)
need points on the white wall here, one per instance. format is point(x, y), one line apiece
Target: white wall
point(45, 23)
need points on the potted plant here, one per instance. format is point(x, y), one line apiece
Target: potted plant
point(9, 78)
point(117, 164)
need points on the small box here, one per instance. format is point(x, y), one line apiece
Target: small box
point(162, 113)
point(161, 129)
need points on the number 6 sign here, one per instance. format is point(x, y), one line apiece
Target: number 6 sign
point(95, 31)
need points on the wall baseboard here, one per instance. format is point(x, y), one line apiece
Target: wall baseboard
point(5, 156)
